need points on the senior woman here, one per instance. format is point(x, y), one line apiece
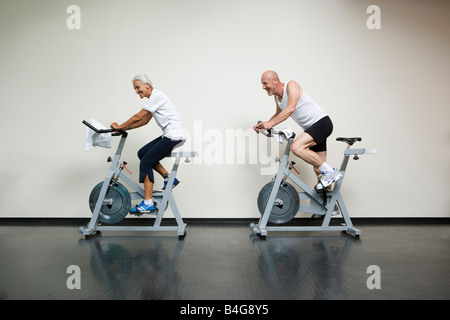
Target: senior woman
point(168, 119)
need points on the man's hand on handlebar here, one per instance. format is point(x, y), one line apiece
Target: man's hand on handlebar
point(265, 125)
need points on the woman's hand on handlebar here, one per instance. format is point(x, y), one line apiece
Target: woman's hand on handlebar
point(115, 126)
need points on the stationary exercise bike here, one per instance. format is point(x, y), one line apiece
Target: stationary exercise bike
point(279, 201)
point(110, 201)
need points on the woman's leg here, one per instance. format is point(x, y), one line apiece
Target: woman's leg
point(157, 151)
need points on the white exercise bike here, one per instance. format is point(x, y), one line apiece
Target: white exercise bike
point(279, 201)
point(110, 200)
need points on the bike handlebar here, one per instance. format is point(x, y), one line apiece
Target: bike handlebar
point(268, 132)
point(121, 131)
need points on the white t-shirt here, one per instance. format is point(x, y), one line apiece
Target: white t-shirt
point(307, 111)
point(166, 115)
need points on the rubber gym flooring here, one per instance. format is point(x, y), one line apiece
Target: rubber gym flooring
point(224, 261)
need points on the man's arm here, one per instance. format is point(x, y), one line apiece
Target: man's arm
point(294, 92)
point(277, 110)
point(260, 125)
point(138, 120)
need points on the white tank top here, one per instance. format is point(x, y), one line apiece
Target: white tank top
point(307, 111)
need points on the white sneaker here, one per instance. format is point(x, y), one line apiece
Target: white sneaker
point(335, 213)
point(319, 186)
point(328, 178)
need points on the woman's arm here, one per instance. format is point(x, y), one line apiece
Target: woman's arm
point(138, 120)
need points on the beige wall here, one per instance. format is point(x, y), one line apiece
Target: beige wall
point(389, 86)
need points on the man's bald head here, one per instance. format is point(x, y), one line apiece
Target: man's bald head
point(269, 75)
point(270, 82)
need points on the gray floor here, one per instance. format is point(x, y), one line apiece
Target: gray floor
point(225, 262)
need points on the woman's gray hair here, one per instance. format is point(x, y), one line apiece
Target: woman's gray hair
point(143, 78)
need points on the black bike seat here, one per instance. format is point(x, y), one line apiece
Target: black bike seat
point(349, 141)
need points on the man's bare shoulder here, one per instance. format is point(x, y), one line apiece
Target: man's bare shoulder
point(293, 88)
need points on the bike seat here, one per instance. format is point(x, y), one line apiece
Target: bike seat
point(349, 141)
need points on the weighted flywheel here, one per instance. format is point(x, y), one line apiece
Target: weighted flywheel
point(116, 204)
point(286, 203)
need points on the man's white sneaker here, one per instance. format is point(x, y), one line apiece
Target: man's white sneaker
point(335, 213)
point(318, 187)
point(328, 178)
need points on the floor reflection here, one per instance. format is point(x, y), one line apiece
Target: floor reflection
point(303, 267)
point(136, 268)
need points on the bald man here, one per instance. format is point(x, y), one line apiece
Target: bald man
point(311, 146)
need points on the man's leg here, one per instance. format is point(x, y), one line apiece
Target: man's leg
point(300, 148)
point(323, 156)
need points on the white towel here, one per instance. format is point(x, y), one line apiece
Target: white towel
point(96, 139)
point(285, 133)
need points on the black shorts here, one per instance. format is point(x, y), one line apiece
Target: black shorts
point(320, 131)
